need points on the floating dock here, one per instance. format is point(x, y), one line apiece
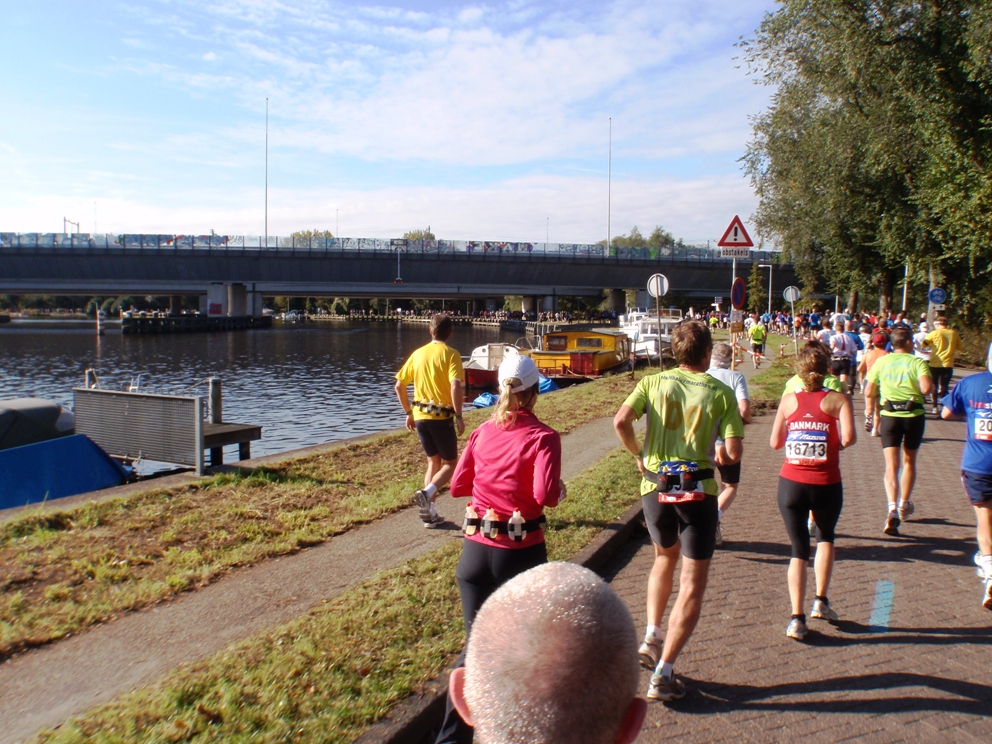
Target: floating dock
point(149, 324)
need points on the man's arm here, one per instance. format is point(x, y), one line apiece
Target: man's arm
point(623, 423)
point(404, 398)
point(744, 406)
point(735, 450)
point(457, 399)
point(948, 415)
point(926, 385)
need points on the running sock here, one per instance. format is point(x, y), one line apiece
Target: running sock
point(652, 633)
point(892, 506)
point(823, 599)
point(719, 514)
point(665, 669)
point(429, 490)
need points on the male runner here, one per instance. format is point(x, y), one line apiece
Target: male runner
point(902, 381)
point(730, 475)
point(685, 408)
point(972, 399)
point(842, 351)
point(435, 370)
point(757, 335)
point(944, 343)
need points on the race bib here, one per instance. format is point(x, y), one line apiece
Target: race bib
point(806, 447)
point(983, 429)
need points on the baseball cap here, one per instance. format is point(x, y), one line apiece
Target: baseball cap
point(924, 326)
point(521, 368)
point(879, 339)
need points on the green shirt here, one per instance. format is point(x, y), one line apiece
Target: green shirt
point(898, 378)
point(795, 384)
point(686, 412)
point(757, 334)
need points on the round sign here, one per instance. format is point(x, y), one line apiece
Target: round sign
point(738, 293)
point(791, 294)
point(937, 295)
point(658, 285)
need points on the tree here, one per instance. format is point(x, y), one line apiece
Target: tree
point(311, 237)
point(419, 235)
point(756, 295)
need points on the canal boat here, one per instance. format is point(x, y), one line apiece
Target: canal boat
point(574, 356)
point(651, 335)
point(482, 366)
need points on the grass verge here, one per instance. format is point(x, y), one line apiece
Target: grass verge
point(333, 672)
point(61, 571)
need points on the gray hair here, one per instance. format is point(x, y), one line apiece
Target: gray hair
point(552, 657)
point(721, 355)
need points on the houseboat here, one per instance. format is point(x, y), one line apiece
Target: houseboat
point(573, 356)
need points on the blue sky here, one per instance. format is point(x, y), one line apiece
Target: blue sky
point(485, 121)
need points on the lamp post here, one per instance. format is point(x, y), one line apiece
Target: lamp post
point(609, 191)
point(769, 267)
point(266, 172)
point(547, 232)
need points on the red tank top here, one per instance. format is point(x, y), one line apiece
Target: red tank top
point(812, 443)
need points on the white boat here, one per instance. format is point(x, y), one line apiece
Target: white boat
point(650, 335)
point(482, 366)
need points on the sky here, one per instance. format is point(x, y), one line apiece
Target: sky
point(517, 120)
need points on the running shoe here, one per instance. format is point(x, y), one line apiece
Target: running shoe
point(979, 571)
point(892, 523)
point(811, 526)
point(987, 601)
point(719, 534)
point(823, 611)
point(650, 653)
point(434, 521)
point(665, 690)
point(796, 629)
point(935, 411)
point(869, 422)
point(905, 512)
point(424, 503)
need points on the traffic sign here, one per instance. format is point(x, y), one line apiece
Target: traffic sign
point(937, 295)
point(736, 236)
point(657, 285)
point(939, 306)
point(717, 299)
point(736, 316)
point(791, 294)
point(738, 293)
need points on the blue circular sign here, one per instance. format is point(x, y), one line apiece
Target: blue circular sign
point(937, 296)
point(738, 293)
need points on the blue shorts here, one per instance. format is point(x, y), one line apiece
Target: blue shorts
point(978, 486)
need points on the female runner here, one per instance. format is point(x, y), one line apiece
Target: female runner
point(807, 426)
point(511, 469)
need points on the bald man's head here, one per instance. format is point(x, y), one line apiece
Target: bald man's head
point(553, 658)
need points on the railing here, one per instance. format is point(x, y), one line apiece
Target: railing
point(294, 244)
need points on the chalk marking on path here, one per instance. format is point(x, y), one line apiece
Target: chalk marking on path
point(878, 622)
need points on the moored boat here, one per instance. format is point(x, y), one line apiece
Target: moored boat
point(567, 355)
point(482, 366)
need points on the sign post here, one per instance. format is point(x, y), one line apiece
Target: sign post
point(937, 298)
point(738, 295)
point(735, 243)
point(791, 294)
point(657, 288)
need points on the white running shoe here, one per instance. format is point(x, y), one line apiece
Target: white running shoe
point(979, 571)
point(425, 505)
point(811, 525)
point(665, 690)
point(892, 523)
point(905, 512)
point(796, 629)
point(650, 652)
point(987, 600)
point(719, 533)
point(435, 521)
point(823, 611)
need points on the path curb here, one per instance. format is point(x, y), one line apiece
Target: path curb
point(415, 718)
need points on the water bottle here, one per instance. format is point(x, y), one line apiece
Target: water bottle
point(490, 524)
point(468, 528)
point(515, 528)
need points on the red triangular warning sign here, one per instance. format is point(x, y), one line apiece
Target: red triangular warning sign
point(736, 235)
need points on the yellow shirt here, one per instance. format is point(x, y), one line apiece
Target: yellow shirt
point(431, 369)
point(945, 343)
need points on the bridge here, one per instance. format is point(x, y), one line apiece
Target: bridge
point(233, 274)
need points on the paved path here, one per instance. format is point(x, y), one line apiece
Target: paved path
point(910, 660)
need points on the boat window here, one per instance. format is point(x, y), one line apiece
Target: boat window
point(589, 343)
point(557, 343)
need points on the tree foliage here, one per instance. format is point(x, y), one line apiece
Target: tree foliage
point(874, 152)
point(419, 235)
point(757, 297)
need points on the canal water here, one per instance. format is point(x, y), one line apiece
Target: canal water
point(305, 384)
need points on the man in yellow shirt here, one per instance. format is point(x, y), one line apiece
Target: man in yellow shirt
point(944, 343)
point(435, 371)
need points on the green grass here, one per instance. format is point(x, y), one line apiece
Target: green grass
point(328, 675)
point(63, 571)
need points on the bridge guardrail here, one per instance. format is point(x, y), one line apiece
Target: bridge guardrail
point(294, 244)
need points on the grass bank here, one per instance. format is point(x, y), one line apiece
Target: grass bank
point(333, 672)
point(62, 571)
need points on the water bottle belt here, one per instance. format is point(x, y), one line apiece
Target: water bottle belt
point(902, 405)
point(491, 528)
point(435, 409)
point(685, 482)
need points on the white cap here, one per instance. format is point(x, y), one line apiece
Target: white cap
point(924, 326)
point(521, 368)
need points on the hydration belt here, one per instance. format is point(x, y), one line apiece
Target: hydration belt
point(685, 478)
point(902, 405)
point(491, 528)
point(435, 409)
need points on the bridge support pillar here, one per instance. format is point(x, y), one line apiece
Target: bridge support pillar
point(494, 303)
point(529, 304)
point(237, 300)
point(254, 303)
point(549, 303)
point(618, 300)
point(216, 299)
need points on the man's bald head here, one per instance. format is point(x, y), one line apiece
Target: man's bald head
point(553, 658)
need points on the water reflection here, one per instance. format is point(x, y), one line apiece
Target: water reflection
point(305, 384)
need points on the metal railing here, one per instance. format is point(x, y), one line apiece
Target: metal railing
point(296, 244)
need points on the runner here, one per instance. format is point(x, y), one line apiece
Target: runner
point(795, 383)
point(810, 480)
point(511, 469)
point(878, 343)
point(435, 371)
point(686, 408)
point(902, 382)
point(944, 343)
point(757, 335)
point(842, 350)
point(972, 399)
point(730, 475)
point(918, 339)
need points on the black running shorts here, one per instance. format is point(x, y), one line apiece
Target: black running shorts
point(840, 366)
point(978, 486)
point(797, 500)
point(757, 348)
point(693, 524)
point(438, 437)
point(902, 431)
point(730, 475)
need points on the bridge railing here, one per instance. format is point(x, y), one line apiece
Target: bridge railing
point(297, 244)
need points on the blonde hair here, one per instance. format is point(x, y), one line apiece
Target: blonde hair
point(509, 403)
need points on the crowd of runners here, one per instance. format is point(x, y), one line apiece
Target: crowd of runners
point(696, 414)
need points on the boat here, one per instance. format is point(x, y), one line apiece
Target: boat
point(651, 335)
point(482, 366)
point(574, 356)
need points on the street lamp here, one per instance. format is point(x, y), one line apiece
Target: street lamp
point(547, 232)
point(769, 267)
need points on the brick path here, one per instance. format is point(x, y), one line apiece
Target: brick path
point(927, 676)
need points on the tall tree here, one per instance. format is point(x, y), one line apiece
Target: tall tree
point(757, 297)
